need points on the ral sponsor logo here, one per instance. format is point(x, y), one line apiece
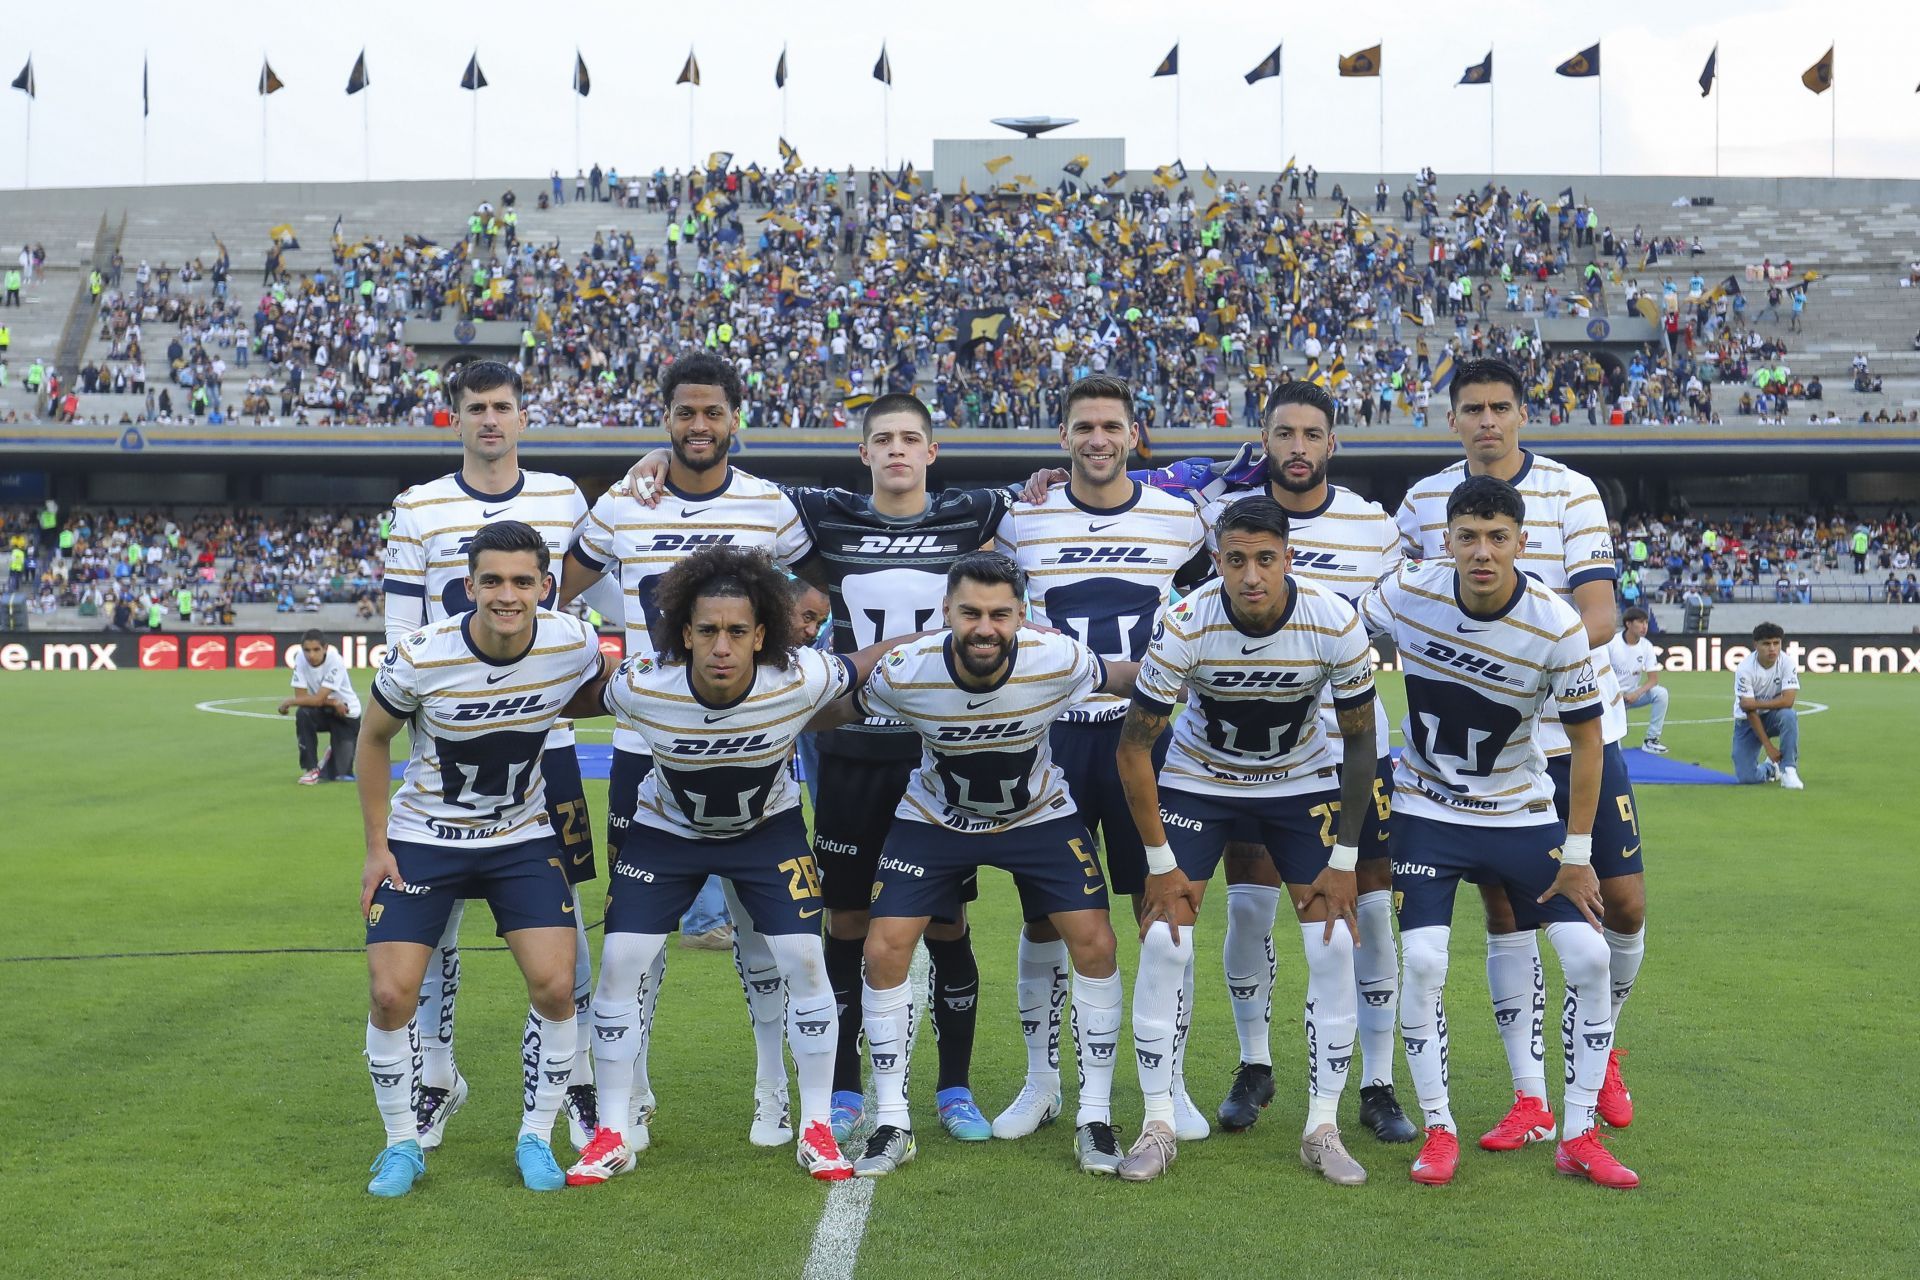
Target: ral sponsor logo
point(254, 653)
point(159, 653)
point(207, 653)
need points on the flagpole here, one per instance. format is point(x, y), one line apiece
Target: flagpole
point(1716, 111)
point(473, 149)
point(1492, 168)
point(1380, 134)
point(143, 117)
point(1833, 117)
point(1599, 123)
point(26, 152)
point(1177, 135)
point(263, 119)
point(366, 139)
point(1283, 100)
point(576, 127)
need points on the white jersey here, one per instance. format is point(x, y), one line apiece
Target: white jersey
point(1102, 574)
point(331, 675)
point(985, 762)
point(1348, 543)
point(639, 544)
point(478, 727)
point(1252, 725)
point(1568, 545)
point(721, 771)
point(1631, 662)
point(1476, 690)
point(427, 546)
point(1751, 680)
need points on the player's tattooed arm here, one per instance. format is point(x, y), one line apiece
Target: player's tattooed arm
point(1134, 762)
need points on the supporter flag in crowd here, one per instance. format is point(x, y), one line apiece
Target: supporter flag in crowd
point(1706, 76)
point(998, 163)
point(269, 82)
point(357, 78)
point(582, 82)
point(1364, 63)
point(719, 160)
point(473, 78)
point(1115, 178)
point(1480, 72)
point(1269, 67)
point(1145, 447)
point(1581, 65)
point(789, 158)
point(1292, 164)
point(1169, 65)
point(780, 70)
point(1818, 77)
point(1443, 374)
point(1566, 198)
point(1725, 287)
point(883, 69)
point(690, 73)
point(976, 327)
point(283, 236)
point(1077, 166)
point(1211, 178)
point(860, 400)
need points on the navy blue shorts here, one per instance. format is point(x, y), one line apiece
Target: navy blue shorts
point(630, 769)
point(923, 868)
point(1374, 834)
point(1085, 752)
point(1430, 858)
point(1616, 822)
point(656, 876)
point(1298, 831)
point(852, 822)
point(525, 884)
point(567, 811)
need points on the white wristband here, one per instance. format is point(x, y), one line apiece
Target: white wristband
point(1160, 860)
point(1577, 851)
point(1345, 857)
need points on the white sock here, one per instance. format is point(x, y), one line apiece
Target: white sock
point(1625, 951)
point(889, 1018)
point(546, 1049)
point(753, 960)
point(1041, 988)
point(1096, 1035)
point(437, 992)
point(622, 1009)
point(393, 1061)
point(813, 1022)
point(1376, 974)
point(1518, 987)
point(1588, 1020)
point(1330, 1020)
point(1249, 961)
point(647, 992)
point(1423, 1019)
point(1182, 1026)
point(582, 999)
point(1156, 1010)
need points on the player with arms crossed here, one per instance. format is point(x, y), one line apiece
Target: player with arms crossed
point(1569, 550)
point(425, 584)
point(1252, 649)
point(477, 695)
point(637, 538)
point(1100, 554)
point(720, 708)
point(1485, 649)
point(983, 696)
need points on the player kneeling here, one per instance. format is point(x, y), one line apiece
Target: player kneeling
point(720, 710)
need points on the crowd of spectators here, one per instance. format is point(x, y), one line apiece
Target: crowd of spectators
point(1786, 558)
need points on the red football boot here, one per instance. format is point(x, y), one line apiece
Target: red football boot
point(1615, 1104)
point(1587, 1157)
point(1530, 1121)
point(1438, 1159)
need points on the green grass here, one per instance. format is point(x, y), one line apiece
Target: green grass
point(210, 1114)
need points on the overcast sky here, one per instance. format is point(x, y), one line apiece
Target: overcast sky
point(955, 65)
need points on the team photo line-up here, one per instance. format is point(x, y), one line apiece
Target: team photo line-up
point(1101, 682)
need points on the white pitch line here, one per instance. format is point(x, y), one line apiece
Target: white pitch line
point(224, 707)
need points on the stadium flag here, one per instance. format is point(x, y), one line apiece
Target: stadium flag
point(582, 82)
point(1169, 65)
point(1706, 75)
point(1145, 447)
point(269, 82)
point(1413, 317)
point(1115, 178)
point(1480, 72)
point(1566, 198)
point(1269, 66)
point(689, 71)
point(790, 159)
point(983, 325)
point(1581, 65)
point(145, 106)
point(721, 160)
point(1292, 164)
point(1364, 63)
point(1211, 178)
point(996, 164)
point(1725, 287)
point(357, 79)
point(1077, 166)
point(473, 79)
point(1818, 77)
point(780, 70)
point(883, 68)
point(1443, 374)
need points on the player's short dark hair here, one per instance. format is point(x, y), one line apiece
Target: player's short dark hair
point(1635, 614)
point(896, 402)
point(313, 633)
point(1257, 514)
point(744, 572)
point(1298, 391)
point(1486, 498)
point(468, 374)
point(703, 369)
point(988, 567)
point(1098, 386)
point(1469, 373)
point(1769, 631)
point(508, 535)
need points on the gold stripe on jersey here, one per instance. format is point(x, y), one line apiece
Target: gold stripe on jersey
point(1444, 785)
point(1131, 538)
point(731, 726)
point(446, 662)
point(459, 726)
point(1510, 621)
point(1451, 673)
point(463, 496)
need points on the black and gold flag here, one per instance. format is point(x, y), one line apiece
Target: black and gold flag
point(1115, 178)
point(1819, 76)
point(582, 82)
point(269, 82)
point(1364, 63)
point(985, 325)
point(1480, 72)
point(789, 158)
point(1581, 65)
point(1169, 65)
point(357, 79)
point(1077, 166)
point(690, 72)
point(473, 78)
point(780, 70)
point(1269, 66)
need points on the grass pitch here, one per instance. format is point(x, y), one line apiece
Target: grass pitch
point(185, 998)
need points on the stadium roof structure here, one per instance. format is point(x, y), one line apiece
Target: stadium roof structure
point(1033, 126)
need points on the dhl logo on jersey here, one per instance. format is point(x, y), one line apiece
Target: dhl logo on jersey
point(1117, 557)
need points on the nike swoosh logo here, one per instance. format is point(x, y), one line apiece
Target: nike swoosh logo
point(973, 706)
point(497, 679)
point(808, 915)
point(1629, 853)
point(566, 908)
point(688, 515)
point(579, 858)
point(1089, 890)
point(1468, 631)
point(715, 719)
point(1096, 528)
point(1244, 650)
point(488, 515)
point(1603, 1022)
point(1419, 1166)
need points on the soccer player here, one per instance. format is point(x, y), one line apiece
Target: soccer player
point(425, 584)
point(1252, 650)
point(704, 502)
point(1485, 648)
point(325, 702)
point(983, 696)
point(720, 707)
point(1637, 667)
point(477, 694)
point(1570, 550)
point(1765, 685)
